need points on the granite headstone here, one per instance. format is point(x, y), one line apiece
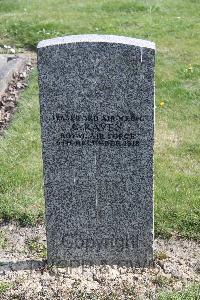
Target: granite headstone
point(97, 119)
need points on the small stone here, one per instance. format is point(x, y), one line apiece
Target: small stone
point(12, 50)
point(29, 64)
point(19, 85)
point(22, 75)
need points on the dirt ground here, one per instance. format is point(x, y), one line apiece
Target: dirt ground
point(24, 273)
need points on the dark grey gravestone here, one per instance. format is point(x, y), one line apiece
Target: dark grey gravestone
point(97, 116)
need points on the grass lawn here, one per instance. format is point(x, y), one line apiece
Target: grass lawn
point(173, 26)
point(193, 293)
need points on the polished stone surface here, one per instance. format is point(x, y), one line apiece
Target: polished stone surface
point(97, 117)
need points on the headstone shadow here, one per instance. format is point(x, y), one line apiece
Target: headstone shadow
point(22, 265)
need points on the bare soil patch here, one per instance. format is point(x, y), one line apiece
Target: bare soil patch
point(25, 274)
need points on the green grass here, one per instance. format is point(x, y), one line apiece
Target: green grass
point(192, 293)
point(3, 240)
point(4, 286)
point(174, 26)
point(20, 159)
point(35, 246)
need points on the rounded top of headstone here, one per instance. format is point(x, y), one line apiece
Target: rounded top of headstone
point(96, 38)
